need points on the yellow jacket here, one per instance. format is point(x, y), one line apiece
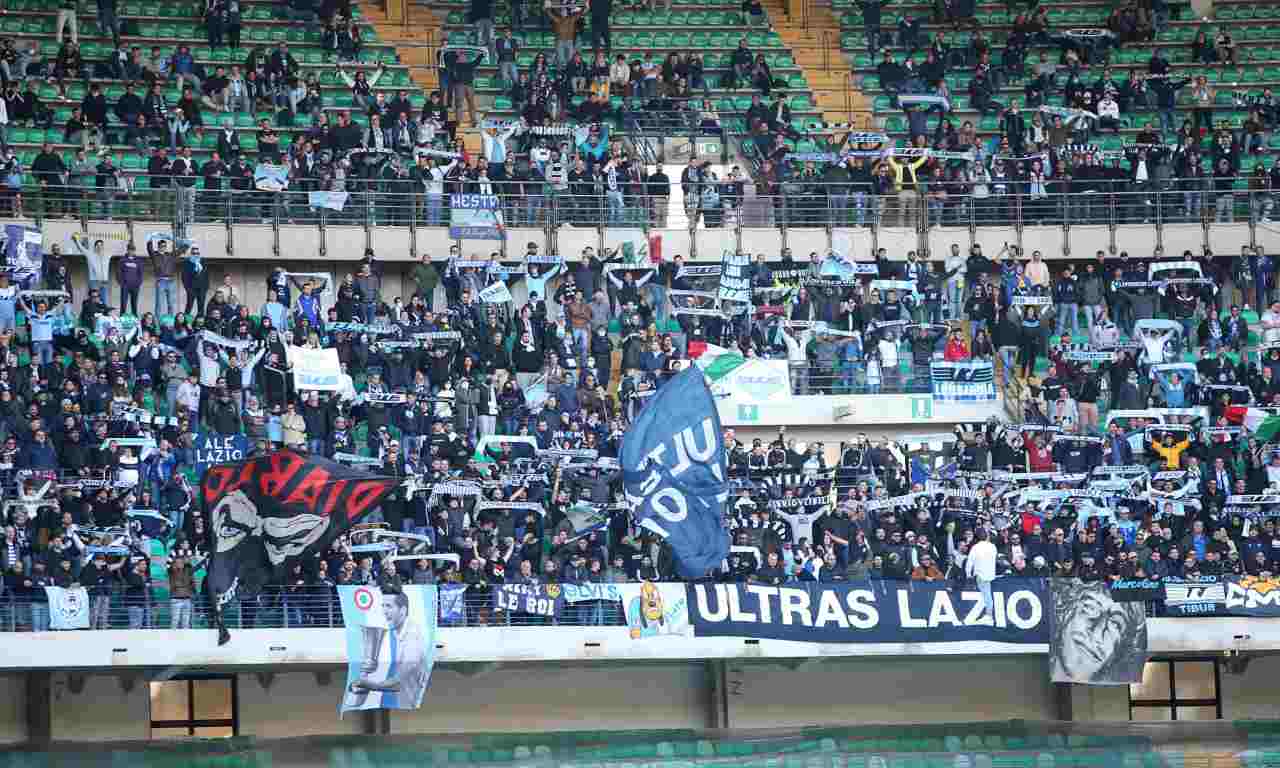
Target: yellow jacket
point(1172, 453)
point(901, 169)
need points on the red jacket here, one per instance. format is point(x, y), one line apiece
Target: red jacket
point(956, 351)
point(1039, 459)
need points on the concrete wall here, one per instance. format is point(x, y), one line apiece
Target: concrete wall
point(102, 711)
point(249, 250)
point(13, 709)
point(857, 691)
point(560, 697)
point(293, 704)
point(1248, 696)
point(536, 697)
point(1100, 702)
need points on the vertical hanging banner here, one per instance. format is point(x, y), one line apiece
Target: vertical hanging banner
point(68, 607)
point(674, 469)
point(655, 610)
point(1093, 639)
point(475, 217)
point(391, 645)
point(23, 253)
point(963, 381)
point(735, 277)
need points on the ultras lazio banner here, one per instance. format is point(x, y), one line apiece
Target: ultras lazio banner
point(871, 612)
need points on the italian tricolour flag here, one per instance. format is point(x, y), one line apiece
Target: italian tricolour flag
point(1262, 424)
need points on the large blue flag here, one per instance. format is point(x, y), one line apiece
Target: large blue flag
point(675, 472)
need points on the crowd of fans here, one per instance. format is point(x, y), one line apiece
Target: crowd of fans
point(1043, 151)
point(90, 393)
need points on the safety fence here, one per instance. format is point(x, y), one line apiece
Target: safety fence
point(318, 607)
point(730, 202)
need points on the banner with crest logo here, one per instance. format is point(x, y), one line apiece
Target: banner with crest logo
point(545, 600)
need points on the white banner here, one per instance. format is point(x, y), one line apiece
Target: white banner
point(577, 593)
point(735, 280)
point(756, 381)
point(334, 201)
point(317, 369)
point(498, 293)
point(68, 608)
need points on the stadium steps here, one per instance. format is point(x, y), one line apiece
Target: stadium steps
point(414, 41)
point(415, 44)
point(825, 67)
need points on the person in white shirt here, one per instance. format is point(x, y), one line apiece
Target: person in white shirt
point(956, 263)
point(1271, 323)
point(888, 349)
point(1103, 332)
point(1109, 113)
point(4, 127)
point(797, 358)
point(981, 567)
point(432, 177)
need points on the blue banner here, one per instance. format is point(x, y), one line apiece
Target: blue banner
point(475, 217)
point(674, 468)
point(452, 603)
point(1195, 596)
point(391, 645)
point(217, 448)
point(536, 599)
point(963, 381)
point(871, 612)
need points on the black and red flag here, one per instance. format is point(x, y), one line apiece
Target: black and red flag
point(268, 512)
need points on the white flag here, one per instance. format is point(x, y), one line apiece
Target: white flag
point(68, 607)
point(496, 293)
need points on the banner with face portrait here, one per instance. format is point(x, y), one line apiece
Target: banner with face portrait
point(273, 510)
point(1094, 640)
point(391, 645)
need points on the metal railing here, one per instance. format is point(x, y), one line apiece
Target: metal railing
point(732, 207)
point(314, 607)
point(725, 201)
point(311, 607)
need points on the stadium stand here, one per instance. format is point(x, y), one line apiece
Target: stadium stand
point(569, 365)
point(1033, 60)
point(157, 32)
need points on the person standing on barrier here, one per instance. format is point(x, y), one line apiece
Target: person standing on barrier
point(980, 566)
